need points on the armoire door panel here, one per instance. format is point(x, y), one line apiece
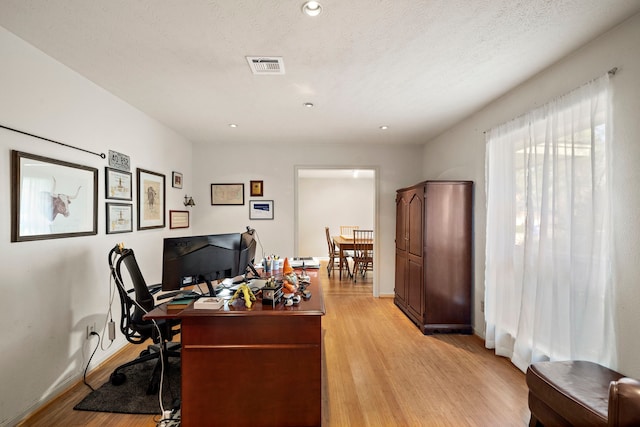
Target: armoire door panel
point(415, 216)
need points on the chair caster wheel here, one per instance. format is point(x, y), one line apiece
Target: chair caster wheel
point(118, 378)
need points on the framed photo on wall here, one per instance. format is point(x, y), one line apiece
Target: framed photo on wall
point(119, 218)
point(51, 198)
point(260, 209)
point(178, 219)
point(117, 184)
point(227, 194)
point(176, 180)
point(151, 199)
point(256, 188)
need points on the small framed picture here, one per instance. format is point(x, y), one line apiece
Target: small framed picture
point(119, 218)
point(178, 219)
point(177, 180)
point(227, 194)
point(260, 209)
point(117, 184)
point(256, 189)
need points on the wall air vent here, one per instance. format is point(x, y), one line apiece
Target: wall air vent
point(266, 64)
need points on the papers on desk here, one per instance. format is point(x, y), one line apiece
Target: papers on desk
point(208, 303)
point(307, 262)
point(347, 237)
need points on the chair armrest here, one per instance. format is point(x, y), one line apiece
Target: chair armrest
point(624, 402)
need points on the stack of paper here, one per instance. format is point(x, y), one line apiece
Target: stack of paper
point(309, 262)
point(209, 303)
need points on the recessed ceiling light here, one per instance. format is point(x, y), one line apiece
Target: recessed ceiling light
point(308, 104)
point(233, 125)
point(384, 127)
point(312, 8)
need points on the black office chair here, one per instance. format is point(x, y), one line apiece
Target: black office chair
point(135, 302)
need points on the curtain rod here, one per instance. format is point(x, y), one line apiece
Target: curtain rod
point(102, 155)
point(612, 72)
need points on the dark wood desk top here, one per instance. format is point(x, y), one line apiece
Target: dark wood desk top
point(313, 306)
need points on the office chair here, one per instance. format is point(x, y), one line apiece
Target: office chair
point(135, 302)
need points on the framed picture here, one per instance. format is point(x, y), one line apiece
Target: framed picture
point(178, 219)
point(176, 181)
point(117, 184)
point(119, 218)
point(227, 194)
point(260, 209)
point(256, 189)
point(151, 199)
point(51, 198)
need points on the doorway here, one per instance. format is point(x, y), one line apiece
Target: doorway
point(333, 196)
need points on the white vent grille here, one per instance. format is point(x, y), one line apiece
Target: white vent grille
point(266, 65)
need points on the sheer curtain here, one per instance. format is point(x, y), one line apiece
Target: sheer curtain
point(548, 284)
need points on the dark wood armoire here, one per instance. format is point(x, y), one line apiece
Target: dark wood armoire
point(434, 232)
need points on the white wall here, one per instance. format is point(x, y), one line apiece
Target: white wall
point(332, 202)
point(398, 166)
point(51, 289)
point(460, 154)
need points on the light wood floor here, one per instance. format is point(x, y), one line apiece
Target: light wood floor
point(378, 370)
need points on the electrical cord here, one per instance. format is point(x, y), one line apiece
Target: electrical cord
point(259, 242)
point(84, 376)
point(109, 316)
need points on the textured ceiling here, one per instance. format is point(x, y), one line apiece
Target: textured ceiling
point(417, 66)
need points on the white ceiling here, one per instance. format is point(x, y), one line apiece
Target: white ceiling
point(417, 66)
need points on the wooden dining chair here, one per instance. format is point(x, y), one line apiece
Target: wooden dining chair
point(362, 252)
point(346, 231)
point(334, 257)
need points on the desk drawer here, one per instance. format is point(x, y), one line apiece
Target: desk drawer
point(251, 330)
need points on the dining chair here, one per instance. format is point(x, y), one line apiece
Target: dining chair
point(334, 257)
point(346, 231)
point(362, 252)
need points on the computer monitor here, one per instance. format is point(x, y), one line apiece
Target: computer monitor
point(197, 259)
point(247, 253)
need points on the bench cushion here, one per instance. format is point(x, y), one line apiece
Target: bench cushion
point(575, 391)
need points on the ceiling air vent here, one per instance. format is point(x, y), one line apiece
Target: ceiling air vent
point(266, 65)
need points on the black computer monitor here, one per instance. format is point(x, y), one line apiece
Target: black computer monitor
point(247, 253)
point(198, 259)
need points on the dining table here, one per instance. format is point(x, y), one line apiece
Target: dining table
point(344, 244)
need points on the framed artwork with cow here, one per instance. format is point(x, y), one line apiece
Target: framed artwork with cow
point(51, 198)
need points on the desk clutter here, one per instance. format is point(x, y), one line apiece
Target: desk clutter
point(285, 286)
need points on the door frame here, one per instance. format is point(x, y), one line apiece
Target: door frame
point(376, 210)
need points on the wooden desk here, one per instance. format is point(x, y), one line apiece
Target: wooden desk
point(346, 245)
point(252, 367)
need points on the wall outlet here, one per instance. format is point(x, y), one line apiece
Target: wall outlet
point(90, 328)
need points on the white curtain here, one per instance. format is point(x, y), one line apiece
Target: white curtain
point(548, 284)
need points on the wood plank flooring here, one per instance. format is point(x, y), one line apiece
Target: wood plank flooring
point(378, 370)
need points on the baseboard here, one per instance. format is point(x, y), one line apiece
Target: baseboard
point(63, 387)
